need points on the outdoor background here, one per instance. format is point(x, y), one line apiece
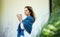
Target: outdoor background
point(52, 27)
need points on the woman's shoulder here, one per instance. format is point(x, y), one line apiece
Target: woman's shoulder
point(30, 18)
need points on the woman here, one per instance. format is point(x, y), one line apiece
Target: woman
point(25, 26)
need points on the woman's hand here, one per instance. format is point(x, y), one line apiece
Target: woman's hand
point(19, 16)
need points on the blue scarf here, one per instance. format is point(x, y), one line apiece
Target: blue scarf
point(27, 23)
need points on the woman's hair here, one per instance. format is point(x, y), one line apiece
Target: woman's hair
point(31, 10)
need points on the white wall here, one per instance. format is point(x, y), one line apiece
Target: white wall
point(12, 7)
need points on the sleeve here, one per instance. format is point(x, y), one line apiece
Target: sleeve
point(19, 28)
point(28, 24)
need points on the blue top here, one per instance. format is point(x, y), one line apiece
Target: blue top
point(27, 23)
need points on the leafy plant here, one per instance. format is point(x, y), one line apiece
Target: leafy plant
point(52, 28)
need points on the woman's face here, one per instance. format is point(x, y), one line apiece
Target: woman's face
point(26, 11)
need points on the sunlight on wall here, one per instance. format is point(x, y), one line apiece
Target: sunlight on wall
point(13, 7)
point(0, 18)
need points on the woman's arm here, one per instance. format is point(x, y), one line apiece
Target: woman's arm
point(19, 16)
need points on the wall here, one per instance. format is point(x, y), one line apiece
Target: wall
point(9, 20)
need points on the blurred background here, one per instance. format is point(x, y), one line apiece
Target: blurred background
point(9, 21)
point(52, 27)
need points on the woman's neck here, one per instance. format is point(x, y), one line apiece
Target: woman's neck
point(28, 15)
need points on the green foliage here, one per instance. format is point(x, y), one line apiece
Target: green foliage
point(52, 28)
